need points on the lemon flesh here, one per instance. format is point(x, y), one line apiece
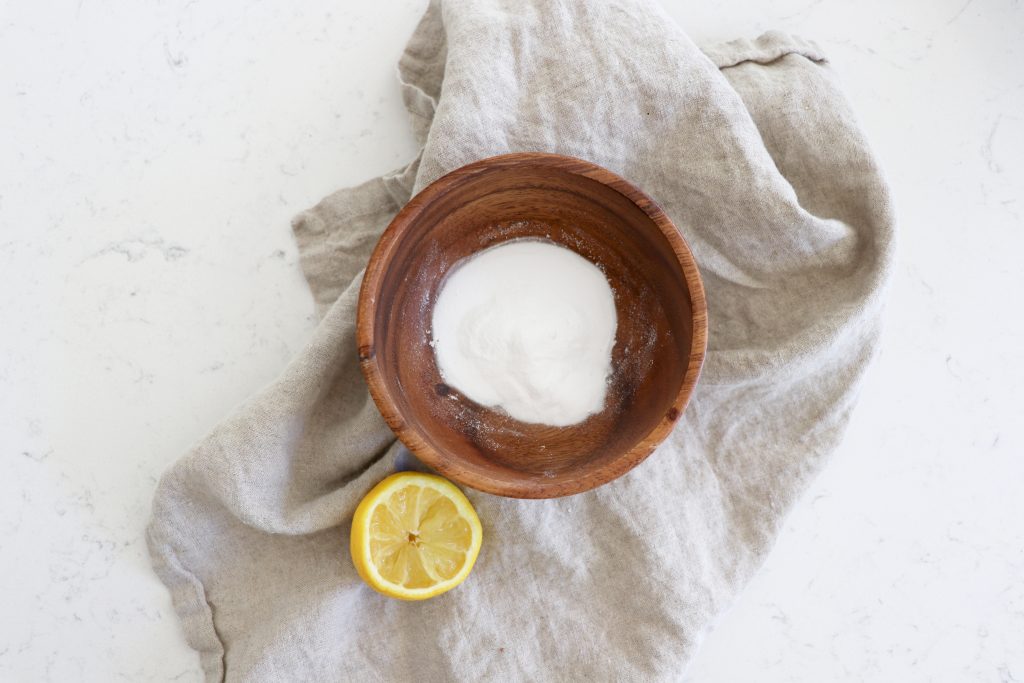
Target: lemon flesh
point(415, 536)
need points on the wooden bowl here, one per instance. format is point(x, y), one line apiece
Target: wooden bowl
point(660, 340)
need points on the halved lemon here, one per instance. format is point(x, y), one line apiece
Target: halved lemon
point(415, 536)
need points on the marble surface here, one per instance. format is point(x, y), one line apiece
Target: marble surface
point(151, 156)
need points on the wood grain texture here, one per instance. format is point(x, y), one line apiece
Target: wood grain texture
point(660, 341)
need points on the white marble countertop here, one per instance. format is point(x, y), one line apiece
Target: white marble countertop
point(151, 156)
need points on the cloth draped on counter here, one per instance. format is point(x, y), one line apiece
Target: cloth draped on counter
point(754, 153)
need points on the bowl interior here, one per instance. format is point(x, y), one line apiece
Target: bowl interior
point(482, 447)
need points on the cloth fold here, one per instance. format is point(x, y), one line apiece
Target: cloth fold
point(753, 151)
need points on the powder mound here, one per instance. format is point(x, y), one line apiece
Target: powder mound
point(527, 327)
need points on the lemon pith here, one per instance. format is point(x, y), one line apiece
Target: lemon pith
point(414, 536)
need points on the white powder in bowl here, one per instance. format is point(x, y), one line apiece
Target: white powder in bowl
point(527, 327)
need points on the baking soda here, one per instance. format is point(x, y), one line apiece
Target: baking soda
point(527, 327)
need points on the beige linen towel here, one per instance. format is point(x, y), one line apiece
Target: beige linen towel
point(754, 153)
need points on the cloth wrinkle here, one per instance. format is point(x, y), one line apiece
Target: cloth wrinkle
point(753, 151)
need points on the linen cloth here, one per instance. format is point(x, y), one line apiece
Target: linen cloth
point(754, 153)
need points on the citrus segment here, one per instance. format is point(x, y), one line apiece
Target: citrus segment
point(415, 536)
